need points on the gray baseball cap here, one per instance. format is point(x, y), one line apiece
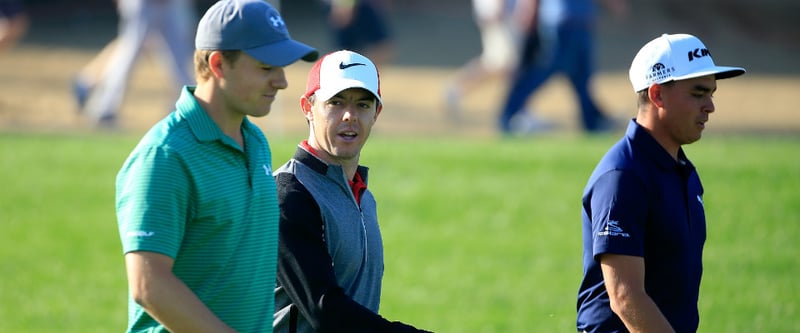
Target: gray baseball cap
point(254, 27)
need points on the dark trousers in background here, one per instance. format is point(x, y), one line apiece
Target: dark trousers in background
point(568, 49)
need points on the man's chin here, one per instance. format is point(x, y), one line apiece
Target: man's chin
point(260, 113)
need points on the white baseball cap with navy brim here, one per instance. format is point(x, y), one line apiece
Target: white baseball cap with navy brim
point(675, 57)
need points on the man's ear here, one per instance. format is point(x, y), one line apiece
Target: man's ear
point(378, 110)
point(305, 107)
point(215, 61)
point(655, 95)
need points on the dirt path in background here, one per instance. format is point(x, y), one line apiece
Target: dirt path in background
point(36, 92)
point(36, 95)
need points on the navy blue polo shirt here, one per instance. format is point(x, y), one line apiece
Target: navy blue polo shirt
point(639, 201)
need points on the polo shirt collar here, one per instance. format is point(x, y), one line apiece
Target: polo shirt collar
point(203, 127)
point(306, 155)
point(639, 136)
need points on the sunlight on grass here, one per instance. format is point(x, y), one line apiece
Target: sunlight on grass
point(480, 235)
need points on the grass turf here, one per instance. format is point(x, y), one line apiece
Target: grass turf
point(480, 235)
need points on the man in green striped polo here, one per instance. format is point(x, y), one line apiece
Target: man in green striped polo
point(196, 202)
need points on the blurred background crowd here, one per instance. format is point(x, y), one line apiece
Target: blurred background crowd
point(430, 42)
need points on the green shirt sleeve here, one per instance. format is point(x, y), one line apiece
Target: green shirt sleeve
point(153, 191)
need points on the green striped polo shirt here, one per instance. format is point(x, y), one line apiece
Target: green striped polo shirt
point(192, 193)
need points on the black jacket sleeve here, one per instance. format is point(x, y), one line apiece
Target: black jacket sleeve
point(305, 268)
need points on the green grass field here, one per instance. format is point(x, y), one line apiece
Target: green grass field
point(481, 235)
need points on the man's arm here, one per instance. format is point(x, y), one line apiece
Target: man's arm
point(305, 269)
point(525, 15)
point(624, 280)
point(342, 12)
point(165, 297)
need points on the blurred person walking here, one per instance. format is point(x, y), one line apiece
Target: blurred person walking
point(643, 216)
point(500, 23)
point(196, 202)
point(560, 39)
point(88, 76)
point(362, 26)
point(167, 26)
point(330, 259)
point(14, 23)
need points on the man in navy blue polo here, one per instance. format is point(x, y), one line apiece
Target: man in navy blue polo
point(643, 219)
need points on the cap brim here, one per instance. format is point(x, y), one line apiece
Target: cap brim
point(283, 53)
point(730, 72)
point(344, 84)
point(719, 72)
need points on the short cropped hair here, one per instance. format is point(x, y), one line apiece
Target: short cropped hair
point(643, 97)
point(202, 71)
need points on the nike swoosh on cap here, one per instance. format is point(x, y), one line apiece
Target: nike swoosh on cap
point(342, 65)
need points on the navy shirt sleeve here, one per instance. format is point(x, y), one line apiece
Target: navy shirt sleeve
point(619, 208)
